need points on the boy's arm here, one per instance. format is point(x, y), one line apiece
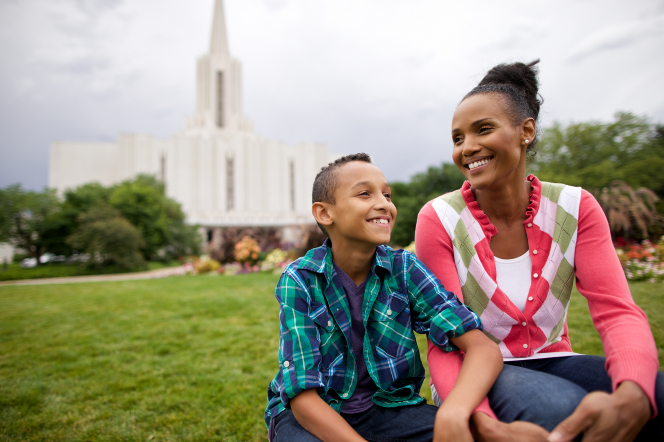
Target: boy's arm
point(481, 366)
point(319, 419)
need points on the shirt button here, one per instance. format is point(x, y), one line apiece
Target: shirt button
point(535, 275)
point(530, 298)
point(345, 395)
point(534, 252)
point(524, 323)
point(530, 224)
point(389, 312)
point(329, 323)
point(286, 364)
point(525, 345)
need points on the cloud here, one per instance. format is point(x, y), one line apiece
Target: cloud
point(617, 36)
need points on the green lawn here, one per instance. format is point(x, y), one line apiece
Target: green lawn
point(184, 358)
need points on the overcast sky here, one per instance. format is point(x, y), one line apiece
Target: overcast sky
point(380, 76)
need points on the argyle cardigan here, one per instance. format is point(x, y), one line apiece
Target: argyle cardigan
point(629, 347)
point(401, 296)
point(557, 222)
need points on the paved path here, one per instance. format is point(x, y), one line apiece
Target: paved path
point(152, 274)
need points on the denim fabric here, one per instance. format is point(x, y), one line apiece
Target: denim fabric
point(377, 424)
point(546, 391)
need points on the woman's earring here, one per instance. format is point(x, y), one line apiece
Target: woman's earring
point(527, 141)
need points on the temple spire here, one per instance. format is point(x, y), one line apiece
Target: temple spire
point(219, 39)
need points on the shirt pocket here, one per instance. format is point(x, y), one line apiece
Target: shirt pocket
point(389, 326)
point(332, 342)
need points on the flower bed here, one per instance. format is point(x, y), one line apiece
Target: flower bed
point(644, 261)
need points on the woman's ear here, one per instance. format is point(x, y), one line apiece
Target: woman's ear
point(321, 211)
point(529, 130)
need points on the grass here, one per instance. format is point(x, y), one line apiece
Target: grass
point(174, 359)
point(14, 271)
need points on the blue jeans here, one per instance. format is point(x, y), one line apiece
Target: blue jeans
point(546, 391)
point(409, 423)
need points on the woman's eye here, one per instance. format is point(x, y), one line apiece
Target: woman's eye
point(485, 129)
point(456, 140)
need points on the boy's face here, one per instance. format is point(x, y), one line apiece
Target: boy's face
point(363, 211)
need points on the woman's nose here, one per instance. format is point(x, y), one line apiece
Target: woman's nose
point(470, 147)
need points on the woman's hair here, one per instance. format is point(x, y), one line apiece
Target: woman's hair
point(517, 83)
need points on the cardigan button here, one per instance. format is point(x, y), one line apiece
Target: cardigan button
point(535, 276)
point(524, 323)
point(534, 252)
point(530, 224)
point(530, 298)
point(525, 345)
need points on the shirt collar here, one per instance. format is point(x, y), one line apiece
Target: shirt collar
point(319, 260)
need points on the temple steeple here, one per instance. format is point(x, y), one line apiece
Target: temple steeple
point(218, 85)
point(219, 37)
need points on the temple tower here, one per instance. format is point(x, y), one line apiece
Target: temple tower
point(218, 86)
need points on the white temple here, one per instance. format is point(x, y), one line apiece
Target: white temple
point(221, 172)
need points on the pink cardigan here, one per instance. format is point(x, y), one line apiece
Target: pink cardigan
point(628, 343)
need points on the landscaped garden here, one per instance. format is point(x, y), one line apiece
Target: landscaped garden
point(185, 358)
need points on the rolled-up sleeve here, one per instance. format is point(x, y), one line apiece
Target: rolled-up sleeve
point(299, 341)
point(436, 311)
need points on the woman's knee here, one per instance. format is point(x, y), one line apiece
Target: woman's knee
point(531, 396)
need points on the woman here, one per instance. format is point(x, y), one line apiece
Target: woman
point(511, 247)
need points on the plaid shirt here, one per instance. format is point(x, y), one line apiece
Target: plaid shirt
point(401, 295)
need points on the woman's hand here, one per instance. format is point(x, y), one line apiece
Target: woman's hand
point(603, 417)
point(451, 425)
point(487, 429)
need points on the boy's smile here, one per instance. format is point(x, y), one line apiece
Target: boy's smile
point(363, 213)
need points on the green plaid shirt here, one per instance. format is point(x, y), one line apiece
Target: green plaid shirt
point(401, 296)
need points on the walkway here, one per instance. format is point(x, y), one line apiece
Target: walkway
point(152, 274)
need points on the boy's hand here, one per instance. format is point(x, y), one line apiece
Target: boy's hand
point(451, 426)
point(487, 429)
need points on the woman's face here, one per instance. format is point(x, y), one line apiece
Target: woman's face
point(488, 149)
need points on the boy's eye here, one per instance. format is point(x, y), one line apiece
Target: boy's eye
point(364, 193)
point(388, 196)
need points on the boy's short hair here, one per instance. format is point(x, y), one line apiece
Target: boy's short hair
point(326, 183)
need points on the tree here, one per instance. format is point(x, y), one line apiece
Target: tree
point(64, 222)
point(24, 217)
point(141, 201)
point(108, 238)
point(617, 157)
point(594, 154)
point(410, 197)
point(628, 210)
point(160, 219)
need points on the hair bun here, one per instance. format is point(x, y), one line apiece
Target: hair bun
point(519, 75)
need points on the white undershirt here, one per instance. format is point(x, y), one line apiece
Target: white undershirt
point(513, 278)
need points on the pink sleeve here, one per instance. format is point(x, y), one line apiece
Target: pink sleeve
point(433, 247)
point(628, 343)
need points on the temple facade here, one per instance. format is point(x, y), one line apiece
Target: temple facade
point(222, 173)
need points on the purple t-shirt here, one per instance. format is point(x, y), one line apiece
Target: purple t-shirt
point(361, 399)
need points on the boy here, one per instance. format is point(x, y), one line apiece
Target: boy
point(349, 366)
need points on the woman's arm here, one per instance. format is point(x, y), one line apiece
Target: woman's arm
point(481, 366)
point(629, 347)
point(434, 248)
